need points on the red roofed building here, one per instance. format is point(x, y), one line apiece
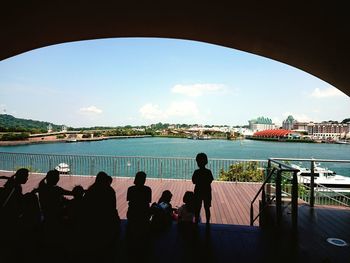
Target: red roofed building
point(276, 133)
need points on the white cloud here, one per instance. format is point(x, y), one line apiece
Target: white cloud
point(196, 90)
point(150, 111)
point(326, 93)
point(90, 110)
point(176, 109)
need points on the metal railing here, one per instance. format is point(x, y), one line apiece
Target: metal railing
point(121, 166)
point(284, 185)
point(315, 193)
point(322, 195)
point(274, 189)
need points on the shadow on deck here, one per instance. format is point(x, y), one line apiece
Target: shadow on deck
point(235, 242)
point(219, 243)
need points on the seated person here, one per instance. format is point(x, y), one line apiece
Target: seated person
point(162, 211)
point(186, 213)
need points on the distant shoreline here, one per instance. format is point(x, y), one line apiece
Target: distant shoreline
point(54, 140)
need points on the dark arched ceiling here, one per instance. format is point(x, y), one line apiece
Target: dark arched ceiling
point(312, 36)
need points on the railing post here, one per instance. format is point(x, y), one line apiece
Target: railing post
point(263, 195)
point(312, 184)
point(92, 167)
point(160, 170)
point(295, 200)
point(251, 214)
point(279, 195)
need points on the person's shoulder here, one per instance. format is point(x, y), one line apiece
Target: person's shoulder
point(130, 188)
point(196, 172)
point(207, 171)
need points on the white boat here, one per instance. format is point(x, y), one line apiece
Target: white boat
point(324, 177)
point(204, 137)
point(63, 168)
point(342, 142)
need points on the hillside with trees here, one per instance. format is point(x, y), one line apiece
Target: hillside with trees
point(9, 123)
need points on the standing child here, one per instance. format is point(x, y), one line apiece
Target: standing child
point(202, 179)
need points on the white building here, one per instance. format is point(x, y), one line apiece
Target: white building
point(261, 124)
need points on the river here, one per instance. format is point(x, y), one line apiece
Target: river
point(176, 147)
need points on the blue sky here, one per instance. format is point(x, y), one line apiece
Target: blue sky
point(139, 81)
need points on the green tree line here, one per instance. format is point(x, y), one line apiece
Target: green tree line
point(9, 123)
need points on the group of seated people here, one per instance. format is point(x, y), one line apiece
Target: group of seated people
point(46, 207)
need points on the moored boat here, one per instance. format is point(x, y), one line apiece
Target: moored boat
point(63, 168)
point(324, 177)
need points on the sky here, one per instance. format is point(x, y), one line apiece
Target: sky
point(140, 81)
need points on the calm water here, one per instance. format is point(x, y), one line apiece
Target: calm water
point(166, 147)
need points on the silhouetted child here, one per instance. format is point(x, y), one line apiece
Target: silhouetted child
point(74, 207)
point(162, 212)
point(202, 179)
point(139, 197)
point(186, 212)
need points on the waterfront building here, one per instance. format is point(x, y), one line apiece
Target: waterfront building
point(49, 128)
point(328, 130)
point(300, 126)
point(277, 134)
point(261, 124)
point(288, 124)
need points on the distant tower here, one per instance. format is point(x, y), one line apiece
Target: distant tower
point(49, 128)
point(64, 128)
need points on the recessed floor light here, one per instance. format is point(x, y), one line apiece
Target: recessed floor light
point(337, 242)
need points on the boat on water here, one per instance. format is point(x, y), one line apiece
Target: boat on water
point(199, 137)
point(204, 137)
point(324, 177)
point(63, 168)
point(342, 142)
point(72, 140)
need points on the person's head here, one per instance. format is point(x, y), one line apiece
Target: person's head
point(140, 178)
point(103, 178)
point(52, 177)
point(78, 191)
point(21, 175)
point(166, 197)
point(188, 197)
point(201, 159)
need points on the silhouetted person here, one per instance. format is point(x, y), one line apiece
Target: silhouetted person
point(139, 197)
point(202, 179)
point(186, 212)
point(74, 208)
point(100, 213)
point(52, 200)
point(162, 212)
point(11, 199)
point(187, 227)
point(12, 203)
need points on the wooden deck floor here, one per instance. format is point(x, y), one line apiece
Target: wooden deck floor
point(229, 239)
point(230, 204)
